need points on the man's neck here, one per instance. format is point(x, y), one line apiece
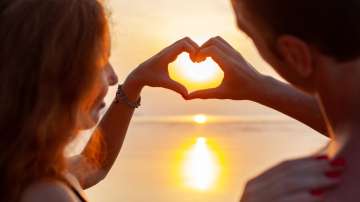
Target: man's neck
point(338, 92)
point(339, 96)
point(346, 145)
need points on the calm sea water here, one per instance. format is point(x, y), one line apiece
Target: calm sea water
point(149, 167)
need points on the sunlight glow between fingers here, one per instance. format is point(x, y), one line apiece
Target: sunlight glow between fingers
point(201, 169)
point(195, 76)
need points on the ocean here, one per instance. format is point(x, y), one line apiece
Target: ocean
point(176, 159)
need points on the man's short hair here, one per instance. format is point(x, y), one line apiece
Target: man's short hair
point(333, 26)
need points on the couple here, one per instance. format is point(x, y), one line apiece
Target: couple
point(55, 73)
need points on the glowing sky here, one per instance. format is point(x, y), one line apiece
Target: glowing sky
point(141, 28)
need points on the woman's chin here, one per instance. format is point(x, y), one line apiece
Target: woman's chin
point(89, 123)
point(93, 121)
point(89, 120)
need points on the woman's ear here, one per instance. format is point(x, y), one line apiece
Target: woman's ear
point(296, 54)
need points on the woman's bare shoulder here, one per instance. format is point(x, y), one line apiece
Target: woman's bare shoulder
point(48, 190)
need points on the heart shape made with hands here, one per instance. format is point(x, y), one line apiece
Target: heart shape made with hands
point(196, 76)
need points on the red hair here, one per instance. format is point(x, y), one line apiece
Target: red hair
point(50, 52)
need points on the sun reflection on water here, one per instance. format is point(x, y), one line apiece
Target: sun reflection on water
point(201, 169)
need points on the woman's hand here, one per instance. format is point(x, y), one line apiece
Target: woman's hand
point(302, 180)
point(154, 72)
point(241, 80)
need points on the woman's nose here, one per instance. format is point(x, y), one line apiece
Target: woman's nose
point(112, 77)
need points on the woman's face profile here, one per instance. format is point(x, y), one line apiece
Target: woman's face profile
point(89, 113)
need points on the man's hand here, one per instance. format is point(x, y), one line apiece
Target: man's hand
point(241, 80)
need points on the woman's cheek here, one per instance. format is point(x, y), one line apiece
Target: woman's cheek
point(93, 103)
point(89, 112)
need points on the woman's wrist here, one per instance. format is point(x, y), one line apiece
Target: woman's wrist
point(132, 87)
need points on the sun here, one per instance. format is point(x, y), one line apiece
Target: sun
point(200, 119)
point(201, 169)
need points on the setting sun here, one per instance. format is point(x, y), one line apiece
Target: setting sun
point(201, 168)
point(200, 118)
point(196, 76)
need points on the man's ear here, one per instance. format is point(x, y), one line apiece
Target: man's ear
point(296, 53)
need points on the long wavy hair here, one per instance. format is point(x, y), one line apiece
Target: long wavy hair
point(50, 52)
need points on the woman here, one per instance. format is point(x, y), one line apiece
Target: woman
point(54, 75)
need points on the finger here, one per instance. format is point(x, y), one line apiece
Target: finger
point(218, 41)
point(189, 40)
point(195, 45)
point(309, 165)
point(175, 86)
point(185, 44)
point(310, 183)
point(209, 43)
point(204, 94)
point(306, 174)
point(322, 175)
point(315, 167)
point(305, 165)
point(223, 41)
point(300, 166)
point(217, 55)
point(221, 44)
point(172, 52)
point(302, 197)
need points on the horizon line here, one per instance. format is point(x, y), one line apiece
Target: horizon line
point(209, 118)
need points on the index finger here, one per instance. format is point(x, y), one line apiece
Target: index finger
point(218, 55)
point(303, 164)
point(218, 41)
point(183, 45)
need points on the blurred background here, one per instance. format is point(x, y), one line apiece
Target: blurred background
point(178, 150)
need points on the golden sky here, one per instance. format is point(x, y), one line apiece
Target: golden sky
point(141, 28)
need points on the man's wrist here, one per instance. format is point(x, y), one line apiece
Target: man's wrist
point(263, 89)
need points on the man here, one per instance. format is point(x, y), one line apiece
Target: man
point(315, 46)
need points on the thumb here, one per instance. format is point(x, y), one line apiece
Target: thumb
point(204, 94)
point(177, 87)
